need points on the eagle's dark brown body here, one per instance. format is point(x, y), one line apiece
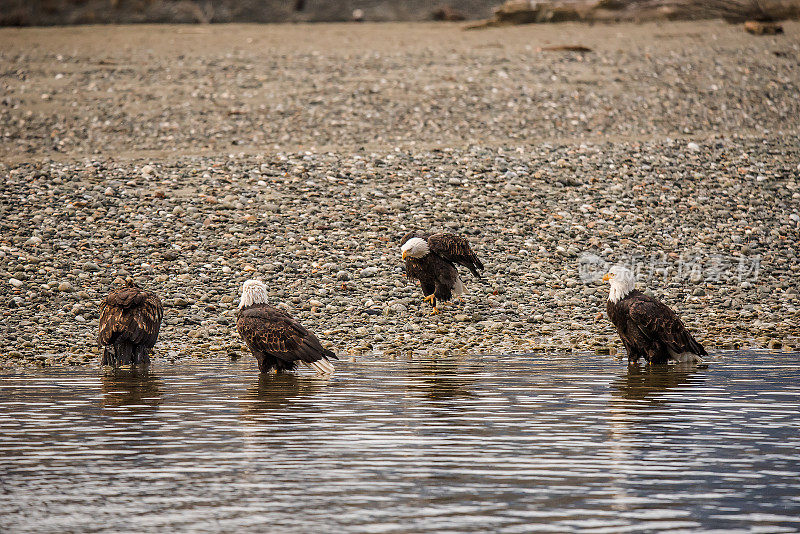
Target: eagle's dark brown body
point(436, 276)
point(437, 272)
point(650, 330)
point(277, 340)
point(130, 319)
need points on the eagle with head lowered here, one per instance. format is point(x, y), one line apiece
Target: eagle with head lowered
point(648, 328)
point(274, 337)
point(130, 319)
point(432, 259)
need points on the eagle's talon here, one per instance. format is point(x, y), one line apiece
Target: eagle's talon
point(429, 298)
point(436, 311)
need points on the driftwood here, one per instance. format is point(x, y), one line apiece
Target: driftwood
point(516, 12)
point(566, 48)
point(762, 28)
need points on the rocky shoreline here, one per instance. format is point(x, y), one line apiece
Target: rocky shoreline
point(711, 220)
point(322, 229)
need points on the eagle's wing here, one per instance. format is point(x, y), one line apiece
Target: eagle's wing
point(110, 322)
point(130, 315)
point(657, 322)
point(275, 332)
point(455, 249)
point(148, 318)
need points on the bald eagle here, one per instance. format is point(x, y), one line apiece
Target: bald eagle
point(648, 328)
point(274, 337)
point(432, 259)
point(130, 319)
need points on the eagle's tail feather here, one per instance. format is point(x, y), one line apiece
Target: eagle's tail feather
point(686, 357)
point(322, 366)
point(458, 287)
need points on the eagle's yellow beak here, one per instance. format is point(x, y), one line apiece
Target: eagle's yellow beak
point(404, 254)
point(608, 277)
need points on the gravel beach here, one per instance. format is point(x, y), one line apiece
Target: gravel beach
point(196, 157)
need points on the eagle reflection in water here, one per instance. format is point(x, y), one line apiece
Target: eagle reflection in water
point(136, 389)
point(641, 382)
point(272, 392)
point(442, 380)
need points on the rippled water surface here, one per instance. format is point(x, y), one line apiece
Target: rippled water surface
point(479, 444)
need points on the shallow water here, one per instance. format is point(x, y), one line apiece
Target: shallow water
point(479, 444)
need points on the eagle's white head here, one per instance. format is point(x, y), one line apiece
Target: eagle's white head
point(622, 282)
point(415, 247)
point(253, 292)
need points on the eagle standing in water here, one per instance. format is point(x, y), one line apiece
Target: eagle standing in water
point(648, 328)
point(432, 259)
point(274, 337)
point(130, 319)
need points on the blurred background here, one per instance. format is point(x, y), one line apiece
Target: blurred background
point(57, 12)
